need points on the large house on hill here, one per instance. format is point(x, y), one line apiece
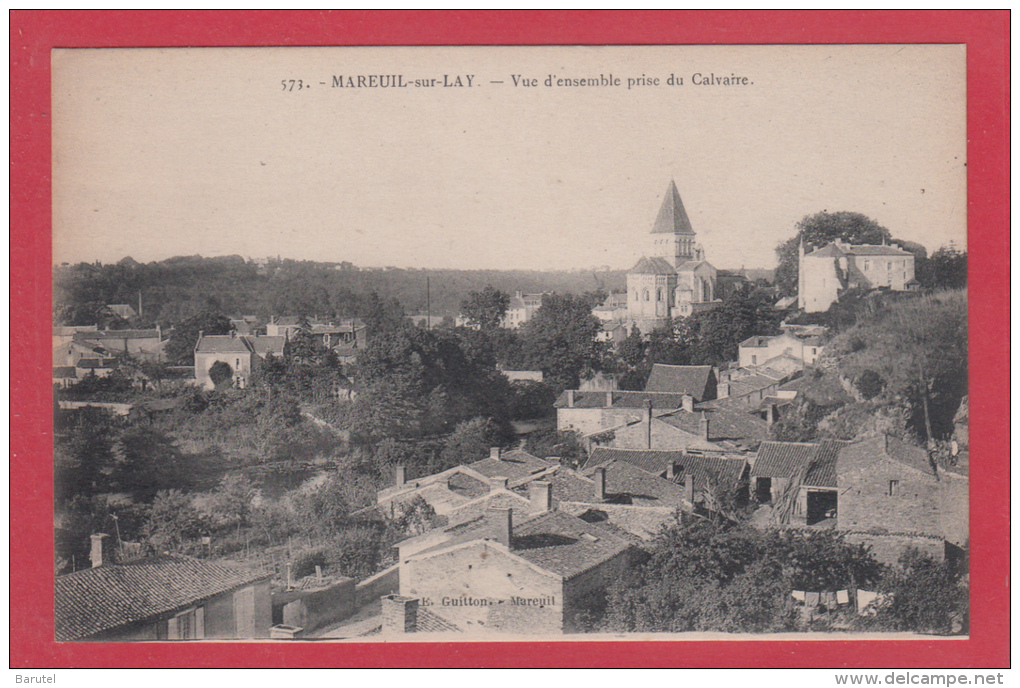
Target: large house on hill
point(244, 354)
point(827, 272)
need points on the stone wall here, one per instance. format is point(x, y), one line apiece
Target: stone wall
point(865, 502)
point(312, 609)
point(371, 589)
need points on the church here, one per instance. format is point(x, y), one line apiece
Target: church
point(673, 279)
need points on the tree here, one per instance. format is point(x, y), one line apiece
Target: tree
point(180, 347)
point(924, 596)
point(147, 461)
point(931, 345)
point(632, 349)
point(221, 374)
point(234, 498)
point(172, 522)
point(83, 451)
point(561, 339)
point(485, 309)
point(946, 269)
point(470, 441)
point(716, 576)
point(818, 230)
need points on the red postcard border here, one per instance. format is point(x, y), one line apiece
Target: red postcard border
point(34, 33)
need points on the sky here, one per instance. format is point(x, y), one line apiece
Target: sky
point(164, 152)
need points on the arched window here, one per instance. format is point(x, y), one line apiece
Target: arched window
point(646, 294)
point(635, 295)
point(660, 295)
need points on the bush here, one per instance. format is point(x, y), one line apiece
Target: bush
point(304, 563)
point(869, 384)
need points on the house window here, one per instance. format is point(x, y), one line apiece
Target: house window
point(646, 295)
point(659, 296)
point(754, 360)
point(237, 364)
point(867, 265)
point(894, 488)
point(888, 266)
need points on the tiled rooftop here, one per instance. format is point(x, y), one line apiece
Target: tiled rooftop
point(92, 601)
point(515, 464)
point(694, 380)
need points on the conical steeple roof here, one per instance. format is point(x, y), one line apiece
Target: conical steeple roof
point(672, 217)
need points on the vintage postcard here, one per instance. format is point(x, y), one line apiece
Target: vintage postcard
point(465, 343)
point(505, 344)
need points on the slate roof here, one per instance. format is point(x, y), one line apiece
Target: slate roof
point(86, 363)
point(97, 600)
point(694, 380)
point(267, 345)
point(872, 250)
point(829, 251)
point(749, 385)
point(223, 344)
point(653, 461)
point(565, 545)
point(496, 499)
point(782, 459)
point(867, 451)
point(637, 400)
point(692, 265)
point(71, 330)
point(723, 423)
point(514, 464)
point(655, 265)
point(672, 217)
point(567, 486)
point(466, 485)
point(628, 484)
point(785, 459)
point(725, 472)
point(64, 371)
point(822, 472)
point(557, 542)
point(833, 251)
point(118, 334)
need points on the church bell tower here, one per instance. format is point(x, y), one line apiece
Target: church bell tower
point(672, 234)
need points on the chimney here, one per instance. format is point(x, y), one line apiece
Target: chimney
point(609, 398)
point(687, 401)
point(499, 482)
point(648, 424)
point(401, 476)
point(670, 471)
point(400, 614)
point(540, 492)
point(501, 523)
point(723, 390)
point(570, 398)
point(600, 484)
point(703, 426)
point(689, 487)
point(102, 550)
point(496, 453)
